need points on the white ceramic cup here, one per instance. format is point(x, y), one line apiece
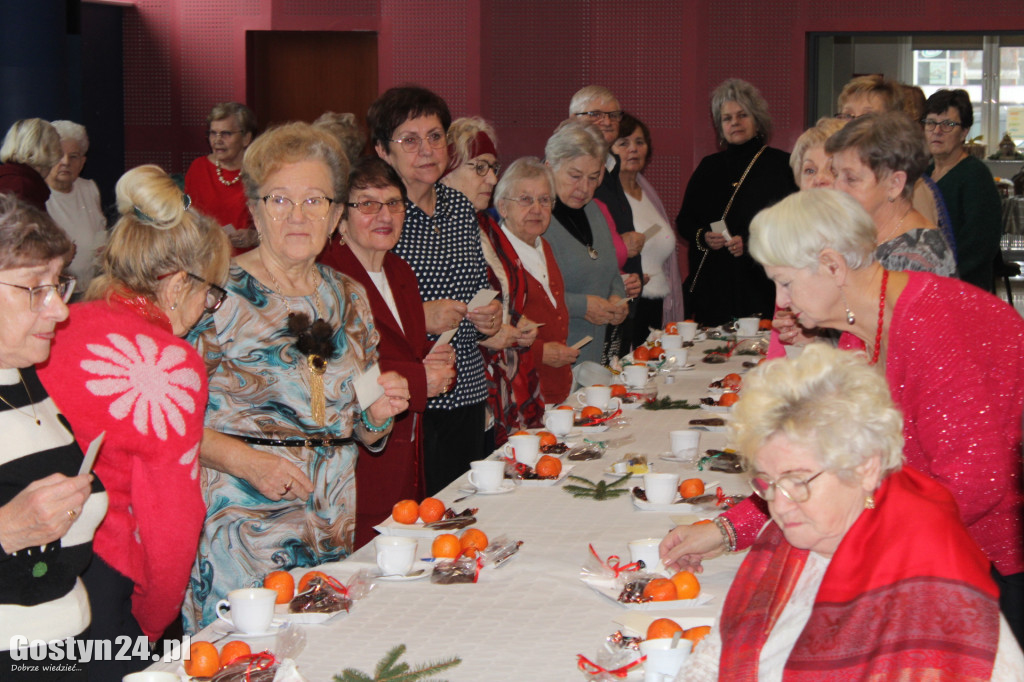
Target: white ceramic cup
point(671, 341)
point(678, 357)
point(663, 662)
point(636, 375)
point(687, 330)
point(252, 609)
point(599, 397)
point(395, 554)
point(685, 443)
point(646, 550)
point(525, 448)
point(620, 467)
point(747, 326)
point(151, 676)
point(661, 488)
point(487, 475)
point(558, 422)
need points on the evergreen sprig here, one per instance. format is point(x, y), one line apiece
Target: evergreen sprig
point(666, 403)
point(390, 670)
point(602, 490)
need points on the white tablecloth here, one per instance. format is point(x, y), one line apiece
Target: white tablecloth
point(529, 618)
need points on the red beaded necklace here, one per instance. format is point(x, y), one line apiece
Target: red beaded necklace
point(881, 318)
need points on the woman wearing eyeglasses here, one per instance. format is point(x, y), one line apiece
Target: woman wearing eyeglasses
point(283, 354)
point(371, 225)
point(120, 366)
point(441, 242)
point(966, 185)
point(214, 181)
point(866, 570)
point(513, 387)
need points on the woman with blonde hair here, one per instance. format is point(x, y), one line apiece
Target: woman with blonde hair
point(120, 366)
point(30, 149)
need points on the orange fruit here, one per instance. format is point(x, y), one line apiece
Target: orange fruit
point(765, 324)
point(691, 487)
point(663, 628)
point(687, 585)
point(304, 580)
point(445, 546)
point(520, 432)
point(696, 634)
point(548, 466)
point(547, 438)
point(733, 381)
point(281, 582)
point(564, 407)
point(619, 390)
point(728, 399)
point(472, 540)
point(641, 354)
point(431, 509)
point(233, 650)
point(657, 352)
point(405, 511)
point(660, 589)
point(671, 328)
point(589, 412)
point(203, 660)
point(702, 522)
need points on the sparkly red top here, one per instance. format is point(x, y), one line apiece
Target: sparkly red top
point(955, 366)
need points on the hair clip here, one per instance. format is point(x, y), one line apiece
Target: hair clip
point(186, 200)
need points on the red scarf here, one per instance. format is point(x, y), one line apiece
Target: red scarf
point(907, 595)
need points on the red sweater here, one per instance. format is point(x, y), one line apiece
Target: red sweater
point(112, 370)
point(555, 382)
point(223, 203)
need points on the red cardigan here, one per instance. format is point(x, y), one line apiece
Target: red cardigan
point(396, 473)
point(555, 382)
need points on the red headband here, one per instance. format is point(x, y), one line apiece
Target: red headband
point(481, 144)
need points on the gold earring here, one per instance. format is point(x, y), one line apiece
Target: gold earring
point(869, 502)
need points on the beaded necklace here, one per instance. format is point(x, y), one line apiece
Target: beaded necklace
point(221, 177)
point(881, 318)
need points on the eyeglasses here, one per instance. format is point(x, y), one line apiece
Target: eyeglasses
point(281, 208)
point(482, 167)
point(944, 126)
point(596, 116)
point(215, 295)
point(411, 143)
point(395, 206)
point(41, 296)
point(525, 201)
point(795, 489)
point(221, 134)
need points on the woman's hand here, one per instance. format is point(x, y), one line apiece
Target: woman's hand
point(634, 242)
point(443, 355)
point(685, 547)
point(714, 240)
point(439, 379)
point(443, 315)
point(634, 285)
point(558, 354)
point(599, 310)
point(38, 515)
point(525, 339)
point(505, 337)
point(620, 309)
point(791, 333)
point(735, 246)
point(488, 320)
point(394, 401)
point(275, 477)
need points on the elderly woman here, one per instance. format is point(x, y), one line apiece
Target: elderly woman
point(513, 387)
point(837, 586)
point(962, 398)
point(370, 227)
point(662, 297)
point(966, 184)
point(441, 241)
point(30, 149)
point(730, 187)
point(214, 181)
point(74, 202)
point(346, 129)
point(48, 510)
point(525, 195)
point(811, 164)
point(283, 354)
point(161, 272)
point(580, 237)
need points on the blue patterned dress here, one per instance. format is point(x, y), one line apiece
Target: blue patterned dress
point(259, 386)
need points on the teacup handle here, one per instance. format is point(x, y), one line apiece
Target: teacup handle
point(580, 399)
point(608, 405)
point(224, 603)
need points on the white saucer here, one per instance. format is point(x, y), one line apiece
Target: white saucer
point(426, 566)
point(222, 627)
point(506, 487)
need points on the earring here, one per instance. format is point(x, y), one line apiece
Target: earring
point(850, 317)
point(341, 238)
point(869, 502)
point(892, 200)
point(174, 306)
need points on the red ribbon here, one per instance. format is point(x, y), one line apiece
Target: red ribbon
point(591, 668)
point(477, 560)
point(600, 420)
point(521, 469)
point(260, 661)
point(613, 563)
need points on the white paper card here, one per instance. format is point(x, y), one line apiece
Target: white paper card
point(582, 342)
point(90, 454)
point(531, 326)
point(446, 337)
point(718, 227)
point(652, 230)
point(367, 388)
point(482, 298)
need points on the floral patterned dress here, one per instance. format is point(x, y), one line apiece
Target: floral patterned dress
point(259, 386)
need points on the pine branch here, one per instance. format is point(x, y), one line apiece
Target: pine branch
point(388, 669)
point(666, 403)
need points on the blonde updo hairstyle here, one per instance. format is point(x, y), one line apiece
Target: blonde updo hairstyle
point(33, 142)
point(291, 143)
point(811, 138)
point(829, 401)
point(158, 235)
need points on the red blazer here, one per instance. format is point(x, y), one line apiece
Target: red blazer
point(555, 382)
point(396, 473)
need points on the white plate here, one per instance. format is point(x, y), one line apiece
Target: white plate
point(506, 487)
point(609, 588)
point(684, 507)
point(701, 427)
point(410, 530)
point(281, 612)
point(635, 478)
point(542, 482)
point(635, 624)
point(670, 457)
point(222, 627)
point(426, 566)
point(720, 409)
point(759, 335)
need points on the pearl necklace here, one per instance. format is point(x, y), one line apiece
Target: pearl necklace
point(31, 403)
point(220, 177)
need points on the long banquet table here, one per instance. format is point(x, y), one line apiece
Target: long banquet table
point(529, 618)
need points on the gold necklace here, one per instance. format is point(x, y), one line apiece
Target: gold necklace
point(221, 177)
point(31, 402)
point(892, 233)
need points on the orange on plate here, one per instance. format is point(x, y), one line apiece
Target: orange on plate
point(660, 589)
point(701, 522)
point(548, 466)
point(728, 399)
point(696, 634)
point(203, 660)
point(405, 511)
point(657, 352)
point(619, 390)
point(733, 381)
point(565, 407)
point(589, 412)
point(445, 546)
point(473, 540)
point(304, 580)
point(281, 582)
point(233, 650)
point(547, 438)
point(520, 432)
point(691, 487)
point(431, 509)
point(641, 354)
point(765, 324)
point(663, 628)
point(671, 328)
point(687, 585)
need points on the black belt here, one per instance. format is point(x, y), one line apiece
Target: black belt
point(294, 442)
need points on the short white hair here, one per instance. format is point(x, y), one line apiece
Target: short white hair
point(69, 130)
point(587, 94)
point(572, 139)
point(525, 168)
point(33, 142)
